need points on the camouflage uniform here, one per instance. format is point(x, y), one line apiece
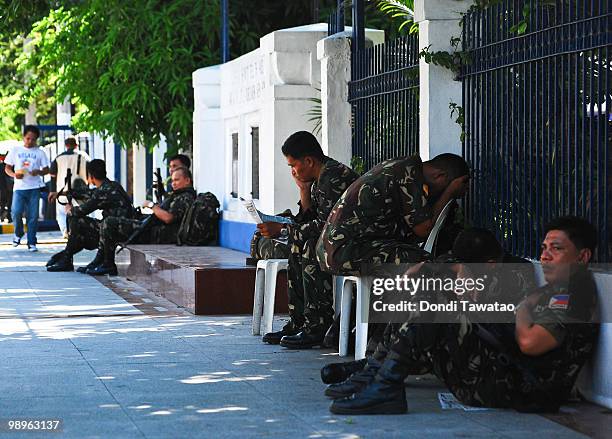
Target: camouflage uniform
point(478, 373)
point(116, 229)
point(309, 288)
point(504, 284)
point(269, 248)
point(84, 232)
point(372, 222)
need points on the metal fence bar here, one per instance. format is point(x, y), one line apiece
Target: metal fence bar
point(383, 94)
point(538, 117)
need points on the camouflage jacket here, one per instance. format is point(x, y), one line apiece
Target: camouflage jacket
point(111, 198)
point(384, 203)
point(177, 203)
point(334, 179)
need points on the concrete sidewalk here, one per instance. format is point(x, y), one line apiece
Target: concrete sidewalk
point(72, 349)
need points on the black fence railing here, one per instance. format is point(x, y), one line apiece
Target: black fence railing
point(383, 93)
point(537, 99)
point(335, 22)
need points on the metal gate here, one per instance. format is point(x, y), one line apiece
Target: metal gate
point(537, 98)
point(383, 93)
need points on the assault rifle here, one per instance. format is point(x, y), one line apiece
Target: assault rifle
point(144, 224)
point(158, 185)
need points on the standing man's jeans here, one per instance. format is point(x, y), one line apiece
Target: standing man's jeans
point(26, 200)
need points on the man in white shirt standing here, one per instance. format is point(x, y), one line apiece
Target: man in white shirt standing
point(75, 160)
point(27, 164)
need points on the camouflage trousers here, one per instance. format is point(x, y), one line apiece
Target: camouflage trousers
point(469, 366)
point(115, 230)
point(267, 248)
point(84, 232)
point(309, 288)
point(352, 259)
point(349, 259)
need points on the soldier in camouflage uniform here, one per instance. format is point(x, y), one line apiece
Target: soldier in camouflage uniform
point(383, 216)
point(529, 366)
point(161, 228)
point(109, 197)
point(321, 181)
point(475, 253)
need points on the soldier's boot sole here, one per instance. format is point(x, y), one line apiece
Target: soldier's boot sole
point(382, 408)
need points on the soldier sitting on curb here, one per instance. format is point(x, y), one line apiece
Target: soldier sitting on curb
point(321, 181)
point(532, 369)
point(507, 279)
point(162, 228)
point(84, 232)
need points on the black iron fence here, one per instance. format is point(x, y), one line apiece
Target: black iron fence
point(537, 98)
point(383, 93)
point(335, 22)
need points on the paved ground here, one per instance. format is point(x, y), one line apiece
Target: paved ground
point(131, 365)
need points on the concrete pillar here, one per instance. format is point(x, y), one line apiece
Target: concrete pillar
point(209, 167)
point(334, 53)
point(139, 173)
point(438, 22)
point(64, 117)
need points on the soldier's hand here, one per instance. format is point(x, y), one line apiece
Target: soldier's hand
point(68, 209)
point(302, 185)
point(52, 197)
point(269, 230)
point(459, 186)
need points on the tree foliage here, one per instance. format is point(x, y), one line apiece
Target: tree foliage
point(127, 65)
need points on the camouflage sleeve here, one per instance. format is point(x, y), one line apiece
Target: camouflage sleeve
point(554, 321)
point(96, 202)
point(412, 197)
point(179, 206)
point(330, 188)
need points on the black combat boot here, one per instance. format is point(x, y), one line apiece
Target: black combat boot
point(55, 258)
point(64, 263)
point(93, 264)
point(355, 382)
point(338, 372)
point(386, 395)
point(303, 340)
point(108, 266)
point(275, 337)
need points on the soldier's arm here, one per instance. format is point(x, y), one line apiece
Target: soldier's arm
point(454, 190)
point(164, 216)
point(532, 339)
point(96, 202)
point(330, 189)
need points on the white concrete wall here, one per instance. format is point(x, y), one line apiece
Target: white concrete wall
point(268, 88)
point(139, 174)
point(334, 54)
point(438, 22)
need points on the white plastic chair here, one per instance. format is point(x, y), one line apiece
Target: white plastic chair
point(264, 295)
point(363, 297)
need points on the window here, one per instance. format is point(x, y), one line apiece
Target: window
point(255, 162)
point(235, 165)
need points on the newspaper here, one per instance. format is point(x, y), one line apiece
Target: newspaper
point(449, 402)
point(260, 217)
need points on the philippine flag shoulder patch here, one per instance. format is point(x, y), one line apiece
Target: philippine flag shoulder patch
point(560, 301)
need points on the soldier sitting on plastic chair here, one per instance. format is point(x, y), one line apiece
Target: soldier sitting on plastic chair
point(321, 180)
point(383, 216)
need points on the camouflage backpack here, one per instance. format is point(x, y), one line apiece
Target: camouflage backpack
point(200, 225)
